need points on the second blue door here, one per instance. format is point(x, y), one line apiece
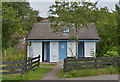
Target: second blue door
point(80, 49)
point(48, 51)
point(62, 50)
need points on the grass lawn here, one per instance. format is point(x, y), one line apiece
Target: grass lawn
point(32, 75)
point(47, 64)
point(88, 72)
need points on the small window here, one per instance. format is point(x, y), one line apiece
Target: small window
point(62, 46)
point(73, 25)
point(66, 31)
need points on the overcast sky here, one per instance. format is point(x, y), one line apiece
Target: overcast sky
point(43, 5)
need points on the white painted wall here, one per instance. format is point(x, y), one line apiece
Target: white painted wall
point(36, 48)
point(54, 51)
point(28, 52)
point(71, 45)
point(88, 47)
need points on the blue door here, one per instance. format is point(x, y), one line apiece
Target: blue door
point(80, 49)
point(62, 50)
point(48, 51)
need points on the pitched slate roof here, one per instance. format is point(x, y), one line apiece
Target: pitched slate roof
point(42, 31)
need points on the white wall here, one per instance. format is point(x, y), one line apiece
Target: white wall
point(71, 45)
point(88, 47)
point(28, 52)
point(36, 48)
point(54, 51)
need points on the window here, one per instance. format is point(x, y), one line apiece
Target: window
point(66, 30)
point(73, 25)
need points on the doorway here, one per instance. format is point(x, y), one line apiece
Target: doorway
point(46, 51)
point(81, 49)
point(62, 50)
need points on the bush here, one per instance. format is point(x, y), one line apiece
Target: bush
point(106, 48)
point(111, 54)
point(15, 55)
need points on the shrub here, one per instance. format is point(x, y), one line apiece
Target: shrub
point(15, 55)
point(112, 52)
point(106, 48)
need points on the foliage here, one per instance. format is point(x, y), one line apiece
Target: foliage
point(72, 53)
point(108, 30)
point(112, 52)
point(68, 13)
point(31, 75)
point(88, 72)
point(79, 14)
point(117, 6)
point(17, 20)
point(14, 55)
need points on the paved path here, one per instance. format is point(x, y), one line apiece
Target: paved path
point(52, 75)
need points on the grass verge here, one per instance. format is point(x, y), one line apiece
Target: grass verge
point(88, 72)
point(31, 75)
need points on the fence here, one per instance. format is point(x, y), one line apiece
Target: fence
point(89, 63)
point(23, 66)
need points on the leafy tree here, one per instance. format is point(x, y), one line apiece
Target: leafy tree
point(108, 30)
point(18, 19)
point(81, 14)
point(117, 6)
point(107, 27)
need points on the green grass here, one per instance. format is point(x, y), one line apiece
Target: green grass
point(47, 64)
point(32, 75)
point(88, 72)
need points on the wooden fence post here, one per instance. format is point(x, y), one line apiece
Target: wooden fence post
point(119, 65)
point(95, 62)
point(64, 65)
point(31, 63)
point(23, 69)
point(38, 60)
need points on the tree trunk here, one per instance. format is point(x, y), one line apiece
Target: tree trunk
point(76, 42)
point(76, 49)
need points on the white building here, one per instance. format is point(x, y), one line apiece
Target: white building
point(53, 47)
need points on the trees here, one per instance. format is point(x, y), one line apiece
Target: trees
point(117, 6)
point(108, 30)
point(79, 14)
point(18, 19)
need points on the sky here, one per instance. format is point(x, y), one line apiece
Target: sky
point(43, 5)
